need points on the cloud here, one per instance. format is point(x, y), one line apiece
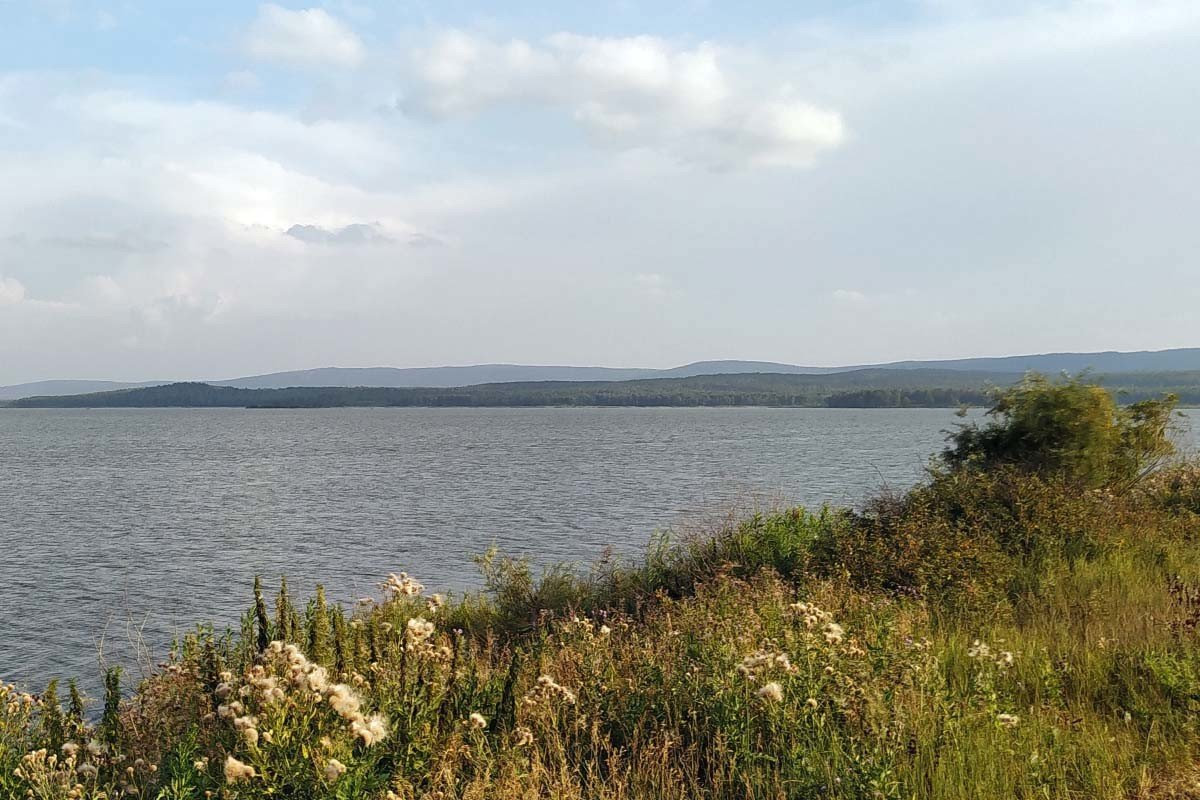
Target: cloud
point(631, 92)
point(118, 241)
point(849, 297)
point(423, 240)
point(308, 37)
point(998, 162)
point(355, 234)
point(11, 291)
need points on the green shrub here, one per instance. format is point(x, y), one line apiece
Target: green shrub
point(1175, 489)
point(1069, 429)
point(967, 539)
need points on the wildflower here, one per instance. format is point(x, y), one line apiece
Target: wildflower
point(317, 678)
point(87, 770)
point(223, 691)
point(334, 769)
point(812, 703)
point(248, 721)
point(371, 730)
point(402, 585)
point(237, 771)
point(548, 688)
point(834, 633)
point(477, 720)
point(1008, 720)
point(343, 700)
point(979, 649)
point(70, 748)
point(1005, 659)
point(605, 630)
point(522, 737)
point(435, 603)
point(200, 764)
point(772, 692)
point(419, 628)
point(752, 662)
point(263, 684)
point(94, 747)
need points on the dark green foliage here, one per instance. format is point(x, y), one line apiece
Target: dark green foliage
point(1175, 489)
point(287, 621)
point(110, 722)
point(53, 723)
point(75, 707)
point(181, 778)
point(1068, 428)
point(517, 599)
point(260, 614)
point(341, 645)
point(907, 398)
point(968, 540)
point(319, 633)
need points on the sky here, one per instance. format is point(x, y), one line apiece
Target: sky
point(215, 189)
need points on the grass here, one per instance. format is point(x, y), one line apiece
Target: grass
point(988, 634)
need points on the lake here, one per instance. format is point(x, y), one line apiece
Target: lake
point(120, 528)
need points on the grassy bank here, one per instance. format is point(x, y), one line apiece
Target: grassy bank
point(1022, 624)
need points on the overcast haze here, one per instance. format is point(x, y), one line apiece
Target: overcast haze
point(224, 188)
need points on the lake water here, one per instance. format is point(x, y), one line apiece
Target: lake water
point(127, 526)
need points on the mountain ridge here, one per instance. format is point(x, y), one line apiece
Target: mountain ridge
point(444, 377)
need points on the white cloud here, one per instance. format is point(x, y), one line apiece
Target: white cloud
point(143, 234)
point(307, 36)
point(358, 233)
point(850, 297)
point(639, 91)
point(11, 291)
point(168, 217)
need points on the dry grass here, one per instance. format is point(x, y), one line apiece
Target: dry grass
point(789, 656)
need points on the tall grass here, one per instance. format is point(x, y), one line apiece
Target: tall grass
point(995, 632)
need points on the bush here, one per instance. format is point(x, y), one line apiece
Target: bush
point(1069, 429)
point(517, 599)
point(966, 540)
point(1175, 489)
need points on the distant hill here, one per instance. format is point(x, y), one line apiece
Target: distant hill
point(449, 377)
point(902, 387)
point(1177, 360)
point(867, 388)
point(55, 388)
point(446, 377)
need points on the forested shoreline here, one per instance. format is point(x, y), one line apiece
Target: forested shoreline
point(869, 388)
